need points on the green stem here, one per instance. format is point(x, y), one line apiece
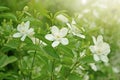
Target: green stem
point(76, 64)
point(30, 75)
point(52, 70)
point(21, 66)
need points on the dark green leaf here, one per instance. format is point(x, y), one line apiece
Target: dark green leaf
point(11, 59)
point(51, 51)
point(13, 44)
point(5, 60)
point(66, 51)
point(74, 76)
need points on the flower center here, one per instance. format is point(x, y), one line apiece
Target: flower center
point(98, 51)
point(57, 36)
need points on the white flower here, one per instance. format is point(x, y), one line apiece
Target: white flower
point(62, 18)
point(74, 30)
point(100, 49)
point(93, 66)
point(57, 36)
point(23, 31)
point(115, 70)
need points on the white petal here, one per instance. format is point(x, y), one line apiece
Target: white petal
point(17, 35)
point(69, 25)
point(63, 32)
point(31, 32)
point(19, 27)
point(55, 43)
point(93, 66)
point(99, 39)
point(80, 35)
point(96, 57)
point(94, 39)
point(23, 26)
point(92, 49)
point(64, 41)
point(23, 37)
point(54, 30)
point(49, 37)
point(105, 48)
point(104, 58)
point(27, 24)
point(43, 43)
point(35, 40)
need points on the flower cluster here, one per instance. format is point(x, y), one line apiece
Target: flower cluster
point(100, 49)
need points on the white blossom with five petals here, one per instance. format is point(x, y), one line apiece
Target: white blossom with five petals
point(57, 36)
point(100, 49)
point(24, 31)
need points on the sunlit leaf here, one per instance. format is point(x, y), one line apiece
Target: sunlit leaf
point(3, 8)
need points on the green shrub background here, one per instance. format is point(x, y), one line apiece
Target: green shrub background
point(16, 57)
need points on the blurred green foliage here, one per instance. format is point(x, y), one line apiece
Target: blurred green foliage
point(26, 61)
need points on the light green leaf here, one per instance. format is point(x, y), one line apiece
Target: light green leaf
point(11, 59)
point(3, 8)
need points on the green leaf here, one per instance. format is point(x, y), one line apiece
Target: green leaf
point(74, 76)
point(8, 16)
point(65, 71)
point(3, 8)
point(5, 49)
point(51, 51)
point(11, 59)
point(66, 61)
point(13, 44)
point(66, 51)
point(5, 60)
point(87, 59)
point(60, 12)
